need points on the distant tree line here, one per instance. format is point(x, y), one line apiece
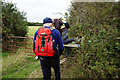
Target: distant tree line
point(35, 24)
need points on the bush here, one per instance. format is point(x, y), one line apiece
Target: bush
point(96, 24)
point(13, 21)
point(98, 50)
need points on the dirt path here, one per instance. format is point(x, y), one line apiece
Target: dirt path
point(38, 72)
point(63, 60)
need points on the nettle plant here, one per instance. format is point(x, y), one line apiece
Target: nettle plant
point(98, 49)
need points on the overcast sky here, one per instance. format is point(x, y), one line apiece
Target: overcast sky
point(37, 10)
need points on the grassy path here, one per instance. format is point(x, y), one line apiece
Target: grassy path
point(20, 65)
point(37, 73)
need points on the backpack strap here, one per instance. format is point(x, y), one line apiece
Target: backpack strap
point(49, 37)
point(51, 28)
point(51, 32)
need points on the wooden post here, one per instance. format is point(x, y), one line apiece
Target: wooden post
point(6, 43)
point(25, 44)
point(15, 43)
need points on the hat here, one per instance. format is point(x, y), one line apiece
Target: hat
point(47, 20)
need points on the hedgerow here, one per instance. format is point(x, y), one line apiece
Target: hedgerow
point(96, 24)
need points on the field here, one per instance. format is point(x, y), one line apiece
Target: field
point(20, 65)
point(32, 30)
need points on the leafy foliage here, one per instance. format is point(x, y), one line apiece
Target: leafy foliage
point(96, 24)
point(93, 14)
point(13, 21)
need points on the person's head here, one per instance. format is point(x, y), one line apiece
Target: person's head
point(58, 23)
point(47, 22)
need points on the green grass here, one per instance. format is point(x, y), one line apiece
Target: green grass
point(12, 64)
point(5, 54)
point(72, 68)
point(20, 65)
point(0, 50)
point(32, 30)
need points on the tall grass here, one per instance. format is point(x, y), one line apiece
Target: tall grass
point(20, 65)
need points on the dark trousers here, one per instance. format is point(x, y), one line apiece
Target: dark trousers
point(47, 63)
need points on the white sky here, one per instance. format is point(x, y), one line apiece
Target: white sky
point(37, 10)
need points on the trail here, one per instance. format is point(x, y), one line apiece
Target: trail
point(63, 60)
point(37, 73)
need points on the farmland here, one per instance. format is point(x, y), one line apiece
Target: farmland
point(95, 24)
point(20, 65)
point(23, 66)
point(32, 30)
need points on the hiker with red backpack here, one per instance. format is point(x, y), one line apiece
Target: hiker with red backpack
point(45, 47)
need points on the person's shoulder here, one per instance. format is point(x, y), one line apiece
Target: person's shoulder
point(55, 30)
point(36, 32)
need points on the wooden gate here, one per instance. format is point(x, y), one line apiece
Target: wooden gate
point(25, 45)
point(20, 44)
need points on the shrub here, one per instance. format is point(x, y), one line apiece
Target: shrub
point(96, 24)
point(13, 21)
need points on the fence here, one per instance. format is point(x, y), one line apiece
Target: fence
point(20, 44)
point(25, 44)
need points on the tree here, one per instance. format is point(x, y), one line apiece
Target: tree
point(13, 21)
point(34, 24)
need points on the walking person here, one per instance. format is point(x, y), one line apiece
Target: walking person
point(64, 30)
point(45, 47)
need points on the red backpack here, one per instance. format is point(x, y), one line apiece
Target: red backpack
point(44, 42)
